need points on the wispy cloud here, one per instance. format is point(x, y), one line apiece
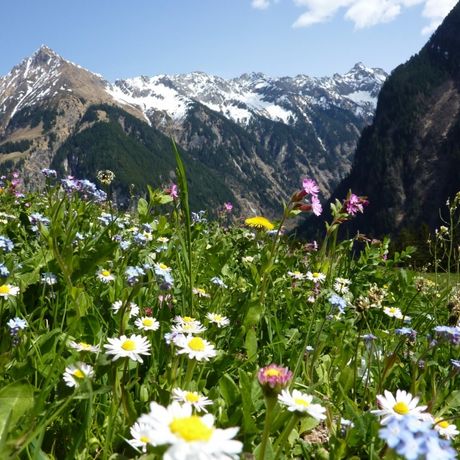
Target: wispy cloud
point(365, 13)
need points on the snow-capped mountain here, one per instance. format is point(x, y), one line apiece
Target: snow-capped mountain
point(254, 134)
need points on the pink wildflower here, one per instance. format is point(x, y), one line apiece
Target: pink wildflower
point(228, 207)
point(310, 187)
point(173, 191)
point(274, 378)
point(316, 206)
point(355, 204)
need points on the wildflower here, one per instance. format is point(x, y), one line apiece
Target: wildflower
point(448, 333)
point(310, 187)
point(338, 302)
point(37, 219)
point(49, 278)
point(49, 173)
point(7, 290)
point(173, 191)
point(248, 259)
point(141, 436)
point(297, 275)
point(105, 276)
point(368, 338)
point(393, 312)
point(106, 219)
point(163, 272)
point(456, 364)
point(220, 320)
point(200, 292)
point(105, 176)
point(133, 308)
point(83, 346)
point(17, 323)
point(301, 403)
point(316, 207)
point(192, 327)
point(228, 207)
point(342, 285)
point(133, 274)
point(400, 406)
point(316, 277)
point(259, 223)
point(218, 281)
point(445, 429)
point(197, 400)
point(6, 244)
point(76, 373)
point(131, 347)
point(4, 272)
point(189, 436)
point(407, 332)
point(173, 337)
point(354, 204)
point(274, 378)
point(195, 348)
point(147, 323)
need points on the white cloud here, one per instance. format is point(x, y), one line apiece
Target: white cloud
point(368, 13)
point(260, 4)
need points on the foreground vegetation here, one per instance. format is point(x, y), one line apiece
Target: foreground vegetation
point(155, 333)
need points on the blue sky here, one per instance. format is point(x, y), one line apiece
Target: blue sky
point(122, 39)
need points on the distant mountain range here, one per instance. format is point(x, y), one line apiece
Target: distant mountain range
point(248, 139)
point(408, 161)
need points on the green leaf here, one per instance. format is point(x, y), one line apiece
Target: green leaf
point(250, 343)
point(142, 207)
point(228, 389)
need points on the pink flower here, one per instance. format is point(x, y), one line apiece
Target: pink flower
point(274, 378)
point(355, 204)
point(172, 191)
point(316, 206)
point(228, 207)
point(310, 187)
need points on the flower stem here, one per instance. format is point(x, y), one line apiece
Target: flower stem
point(281, 441)
point(270, 402)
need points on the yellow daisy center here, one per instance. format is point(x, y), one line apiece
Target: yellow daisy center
point(79, 374)
point(301, 402)
point(191, 428)
point(218, 317)
point(144, 439)
point(392, 310)
point(401, 408)
point(316, 275)
point(147, 322)
point(5, 289)
point(129, 345)
point(188, 319)
point(105, 273)
point(197, 344)
point(272, 373)
point(444, 424)
point(85, 346)
point(259, 222)
point(192, 397)
point(163, 267)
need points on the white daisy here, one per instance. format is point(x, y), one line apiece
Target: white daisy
point(190, 436)
point(185, 320)
point(131, 347)
point(195, 347)
point(8, 290)
point(197, 400)
point(147, 323)
point(316, 277)
point(200, 292)
point(141, 436)
point(301, 402)
point(17, 323)
point(296, 275)
point(342, 285)
point(220, 320)
point(76, 373)
point(194, 327)
point(445, 429)
point(400, 406)
point(393, 312)
point(105, 276)
point(163, 239)
point(83, 346)
point(133, 308)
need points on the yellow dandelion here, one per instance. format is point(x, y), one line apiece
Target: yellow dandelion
point(259, 222)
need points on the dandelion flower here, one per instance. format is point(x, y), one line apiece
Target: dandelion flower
point(190, 436)
point(220, 320)
point(83, 346)
point(197, 400)
point(399, 406)
point(8, 290)
point(147, 323)
point(259, 222)
point(76, 373)
point(131, 347)
point(105, 276)
point(301, 402)
point(195, 347)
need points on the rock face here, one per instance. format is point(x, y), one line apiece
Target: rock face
point(407, 162)
point(254, 135)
